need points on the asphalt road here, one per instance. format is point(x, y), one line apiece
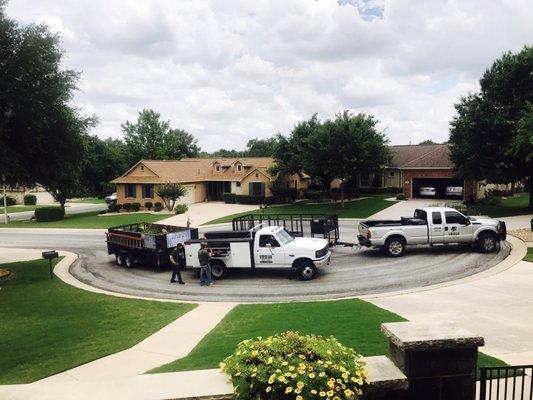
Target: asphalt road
point(352, 272)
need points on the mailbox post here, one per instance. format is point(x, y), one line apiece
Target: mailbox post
point(50, 255)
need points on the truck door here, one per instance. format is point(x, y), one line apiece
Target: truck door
point(457, 228)
point(269, 253)
point(436, 228)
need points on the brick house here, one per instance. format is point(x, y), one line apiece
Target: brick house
point(204, 178)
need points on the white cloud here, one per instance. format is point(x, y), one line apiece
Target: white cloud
point(231, 71)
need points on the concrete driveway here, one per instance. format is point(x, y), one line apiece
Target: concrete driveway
point(200, 213)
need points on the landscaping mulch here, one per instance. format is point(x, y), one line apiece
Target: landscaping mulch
point(523, 234)
point(4, 273)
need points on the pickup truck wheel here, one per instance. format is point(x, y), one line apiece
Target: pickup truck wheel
point(487, 242)
point(306, 270)
point(218, 270)
point(395, 246)
point(129, 261)
point(120, 259)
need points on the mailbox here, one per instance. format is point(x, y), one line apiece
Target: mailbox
point(50, 255)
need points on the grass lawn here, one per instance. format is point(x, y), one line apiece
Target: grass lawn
point(16, 209)
point(353, 209)
point(517, 205)
point(355, 323)
point(48, 326)
point(529, 255)
point(89, 200)
point(89, 220)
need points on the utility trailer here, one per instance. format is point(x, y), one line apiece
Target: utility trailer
point(324, 226)
point(146, 243)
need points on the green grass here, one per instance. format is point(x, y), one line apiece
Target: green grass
point(89, 220)
point(88, 200)
point(517, 205)
point(16, 209)
point(354, 322)
point(48, 326)
point(529, 255)
point(353, 209)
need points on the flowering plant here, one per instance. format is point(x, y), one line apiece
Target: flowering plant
point(295, 367)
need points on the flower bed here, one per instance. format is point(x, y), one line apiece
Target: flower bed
point(295, 367)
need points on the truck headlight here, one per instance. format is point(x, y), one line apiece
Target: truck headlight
point(321, 253)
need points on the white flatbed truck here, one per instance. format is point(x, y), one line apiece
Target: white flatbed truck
point(261, 247)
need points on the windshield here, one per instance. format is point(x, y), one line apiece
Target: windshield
point(284, 237)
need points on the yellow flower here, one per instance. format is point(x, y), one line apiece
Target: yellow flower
point(348, 392)
point(288, 389)
point(255, 352)
point(284, 363)
point(313, 391)
point(330, 393)
point(322, 394)
point(300, 384)
point(299, 397)
point(311, 375)
point(345, 376)
point(268, 389)
point(291, 368)
point(321, 374)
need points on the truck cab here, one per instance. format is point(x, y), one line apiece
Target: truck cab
point(263, 247)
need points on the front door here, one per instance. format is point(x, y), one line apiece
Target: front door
point(457, 228)
point(256, 189)
point(269, 253)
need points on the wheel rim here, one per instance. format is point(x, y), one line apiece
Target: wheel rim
point(120, 259)
point(307, 272)
point(216, 271)
point(129, 262)
point(488, 243)
point(395, 248)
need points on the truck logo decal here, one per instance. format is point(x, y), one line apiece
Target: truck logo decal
point(265, 258)
point(454, 228)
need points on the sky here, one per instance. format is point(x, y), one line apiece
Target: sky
point(229, 71)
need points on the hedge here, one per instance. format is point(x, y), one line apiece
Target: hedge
point(114, 207)
point(148, 205)
point(135, 206)
point(9, 200)
point(45, 214)
point(229, 198)
point(245, 199)
point(30, 200)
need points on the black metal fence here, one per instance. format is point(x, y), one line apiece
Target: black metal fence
point(506, 383)
point(314, 225)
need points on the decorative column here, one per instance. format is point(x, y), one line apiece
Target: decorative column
point(439, 360)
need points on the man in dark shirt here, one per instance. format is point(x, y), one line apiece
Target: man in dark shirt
point(177, 259)
point(204, 254)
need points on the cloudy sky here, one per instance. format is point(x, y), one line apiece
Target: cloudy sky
point(227, 71)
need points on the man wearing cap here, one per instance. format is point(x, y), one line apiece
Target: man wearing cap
point(178, 260)
point(204, 254)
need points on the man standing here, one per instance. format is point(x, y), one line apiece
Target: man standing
point(177, 259)
point(204, 254)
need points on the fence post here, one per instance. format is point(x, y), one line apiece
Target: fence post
point(483, 384)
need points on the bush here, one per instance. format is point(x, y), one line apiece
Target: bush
point(400, 196)
point(135, 206)
point(30, 200)
point(313, 194)
point(229, 198)
point(148, 205)
point(127, 206)
point(102, 212)
point(290, 366)
point(45, 214)
point(158, 204)
point(181, 208)
point(492, 200)
point(114, 207)
point(158, 207)
point(9, 200)
point(245, 199)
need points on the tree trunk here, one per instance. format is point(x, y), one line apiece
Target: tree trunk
point(530, 190)
point(342, 193)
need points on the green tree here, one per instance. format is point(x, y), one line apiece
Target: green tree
point(151, 138)
point(260, 147)
point(489, 136)
point(40, 134)
point(427, 141)
point(170, 193)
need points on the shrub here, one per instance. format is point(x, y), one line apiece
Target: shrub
point(312, 194)
point(229, 198)
point(45, 214)
point(114, 207)
point(158, 204)
point(181, 208)
point(148, 205)
point(9, 200)
point(170, 193)
point(30, 200)
point(102, 212)
point(400, 196)
point(158, 207)
point(290, 366)
point(127, 206)
point(135, 206)
point(492, 200)
point(245, 199)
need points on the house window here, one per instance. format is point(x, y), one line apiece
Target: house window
point(130, 190)
point(142, 167)
point(239, 167)
point(238, 184)
point(257, 175)
point(148, 191)
point(391, 174)
point(217, 168)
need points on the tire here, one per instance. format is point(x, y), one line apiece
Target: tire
point(129, 261)
point(487, 242)
point(306, 270)
point(218, 269)
point(120, 259)
point(395, 246)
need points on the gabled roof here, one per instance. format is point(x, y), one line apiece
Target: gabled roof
point(421, 156)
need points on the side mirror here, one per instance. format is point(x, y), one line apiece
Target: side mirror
point(269, 245)
point(467, 222)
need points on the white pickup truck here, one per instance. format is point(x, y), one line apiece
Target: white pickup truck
point(432, 225)
point(261, 247)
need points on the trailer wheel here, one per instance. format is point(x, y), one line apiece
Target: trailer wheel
point(120, 259)
point(487, 242)
point(395, 246)
point(306, 270)
point(129, 261)
point(218, 269)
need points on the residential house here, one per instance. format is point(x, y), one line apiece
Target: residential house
point(204, 178)
point(19, 191)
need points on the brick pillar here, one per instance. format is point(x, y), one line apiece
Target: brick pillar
point(439, 360)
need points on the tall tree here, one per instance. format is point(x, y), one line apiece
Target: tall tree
point(487, 139)
point(40, 134)
point(260, 147)
point(151, 138)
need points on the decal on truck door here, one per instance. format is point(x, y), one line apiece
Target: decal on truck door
point(265, 258)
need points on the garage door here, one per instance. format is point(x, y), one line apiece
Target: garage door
point(189, 197)
point(437, 188)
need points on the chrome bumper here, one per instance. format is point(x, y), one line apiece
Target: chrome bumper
point(324, 260)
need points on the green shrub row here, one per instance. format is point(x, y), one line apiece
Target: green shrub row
point(232, 198)
point(45, 214)
point(30, 200)
point(229, 198)
point(9, 200)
